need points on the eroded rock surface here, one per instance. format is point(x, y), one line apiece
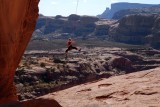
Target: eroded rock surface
point(17, 23)
point(139, 89)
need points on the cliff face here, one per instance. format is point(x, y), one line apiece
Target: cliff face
point(133, 29)
point(17, 23)
point(64, 27)
point(108, 14)
point(137, 29)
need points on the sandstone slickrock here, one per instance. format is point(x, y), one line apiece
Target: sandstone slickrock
point(17, 23)
point(139, 89)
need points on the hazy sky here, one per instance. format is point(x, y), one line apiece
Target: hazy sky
point(85, 7)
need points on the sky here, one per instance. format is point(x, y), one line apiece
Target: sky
point(85, 7)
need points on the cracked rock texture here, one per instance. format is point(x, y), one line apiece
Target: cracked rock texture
point(17, 23)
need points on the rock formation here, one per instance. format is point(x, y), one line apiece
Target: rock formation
point(40, 73)
point(115, 7)
point(139, 89)
point(149, 10)
point(137, 29)
point(76, 25)
point(133, 29)
point(17, 23)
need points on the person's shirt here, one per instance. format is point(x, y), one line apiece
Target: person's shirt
point(69, 43)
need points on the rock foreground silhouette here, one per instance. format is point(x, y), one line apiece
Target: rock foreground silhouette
point(139, 89)
point(17, 23)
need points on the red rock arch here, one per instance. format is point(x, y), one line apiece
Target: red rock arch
point(17, 23)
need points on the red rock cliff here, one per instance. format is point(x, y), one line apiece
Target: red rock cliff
point(17, 22)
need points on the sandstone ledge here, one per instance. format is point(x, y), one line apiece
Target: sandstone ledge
point(139, 89)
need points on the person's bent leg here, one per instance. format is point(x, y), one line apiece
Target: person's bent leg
point(66, 52)
point(74, 48)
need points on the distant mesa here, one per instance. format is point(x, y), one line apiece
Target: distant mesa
point(115, 7)
point(145, 10)
point(59, 26)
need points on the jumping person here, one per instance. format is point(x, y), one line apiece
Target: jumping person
point(70, 42)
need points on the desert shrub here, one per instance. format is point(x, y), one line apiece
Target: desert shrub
point(57, 60)
point(50, 69)
point(42, 64)
point(27, 65)
point(20, 71)
point(33, 62)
